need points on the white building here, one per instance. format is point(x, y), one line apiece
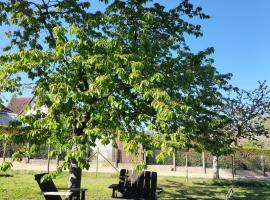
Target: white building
point(6, 116)
point(14, 109)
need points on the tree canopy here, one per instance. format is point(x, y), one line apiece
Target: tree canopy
point(125, 73)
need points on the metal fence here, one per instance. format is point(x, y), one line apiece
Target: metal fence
point(239, 160)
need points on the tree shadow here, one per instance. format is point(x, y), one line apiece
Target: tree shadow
point(214, 190)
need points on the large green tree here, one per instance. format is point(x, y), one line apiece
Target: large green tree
point(109, 74)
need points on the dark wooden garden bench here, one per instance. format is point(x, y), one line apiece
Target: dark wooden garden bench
point(133, 185)
point(50, 192)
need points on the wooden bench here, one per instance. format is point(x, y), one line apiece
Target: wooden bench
point(141, 185)
point(50, 192)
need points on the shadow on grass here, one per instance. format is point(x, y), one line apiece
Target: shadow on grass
point(214, 190)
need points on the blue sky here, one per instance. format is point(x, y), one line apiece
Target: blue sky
point(239, 30)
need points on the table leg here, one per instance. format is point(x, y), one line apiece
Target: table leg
point(83, 195)
point(113, 193)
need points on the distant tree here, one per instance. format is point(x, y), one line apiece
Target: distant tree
point(249, 111)
point(214, 138)
point(107, 75)
point(246, 113)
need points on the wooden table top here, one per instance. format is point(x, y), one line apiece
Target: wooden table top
point(56, 193)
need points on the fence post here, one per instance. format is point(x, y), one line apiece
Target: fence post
point(97, 161)
point(57, 160)
point(186, 166)
point(203, 162)
point(145, 159)
point(4, 150)
point(116, 157)
point(49, 158)
point(215, 167)
point(174, 161)
point(233, 170)
point(28, 149)
point(263, 165)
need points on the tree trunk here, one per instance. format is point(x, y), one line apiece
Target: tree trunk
point(75, 175)
point(75, 172)
point(215, 168)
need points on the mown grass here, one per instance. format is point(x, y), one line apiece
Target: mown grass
point(22, 186)
point(206, 189)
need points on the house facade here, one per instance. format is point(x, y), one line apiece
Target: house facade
point(14, 109)
point(6, 116)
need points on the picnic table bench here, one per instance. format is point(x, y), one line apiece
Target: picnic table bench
point(50, 192)
point(133, 185)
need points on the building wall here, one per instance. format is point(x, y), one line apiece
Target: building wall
point(110, 152)
point(105, 150)
point(122, 156)
point(5, 118)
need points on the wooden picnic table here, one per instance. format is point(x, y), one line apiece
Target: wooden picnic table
point(56, 193)
point(51, 192)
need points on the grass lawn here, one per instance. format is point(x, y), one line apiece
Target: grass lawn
point(22, 186)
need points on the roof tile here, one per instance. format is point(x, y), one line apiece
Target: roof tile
point(17, 104)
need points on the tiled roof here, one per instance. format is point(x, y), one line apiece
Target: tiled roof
point(17, 104)
point(4, 109)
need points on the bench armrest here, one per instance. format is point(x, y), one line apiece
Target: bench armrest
point(113, 186)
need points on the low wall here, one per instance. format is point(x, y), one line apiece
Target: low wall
point(163, 170)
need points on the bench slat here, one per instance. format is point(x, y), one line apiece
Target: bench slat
point(56, 193)
point(147, 183)
point(136, 185)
